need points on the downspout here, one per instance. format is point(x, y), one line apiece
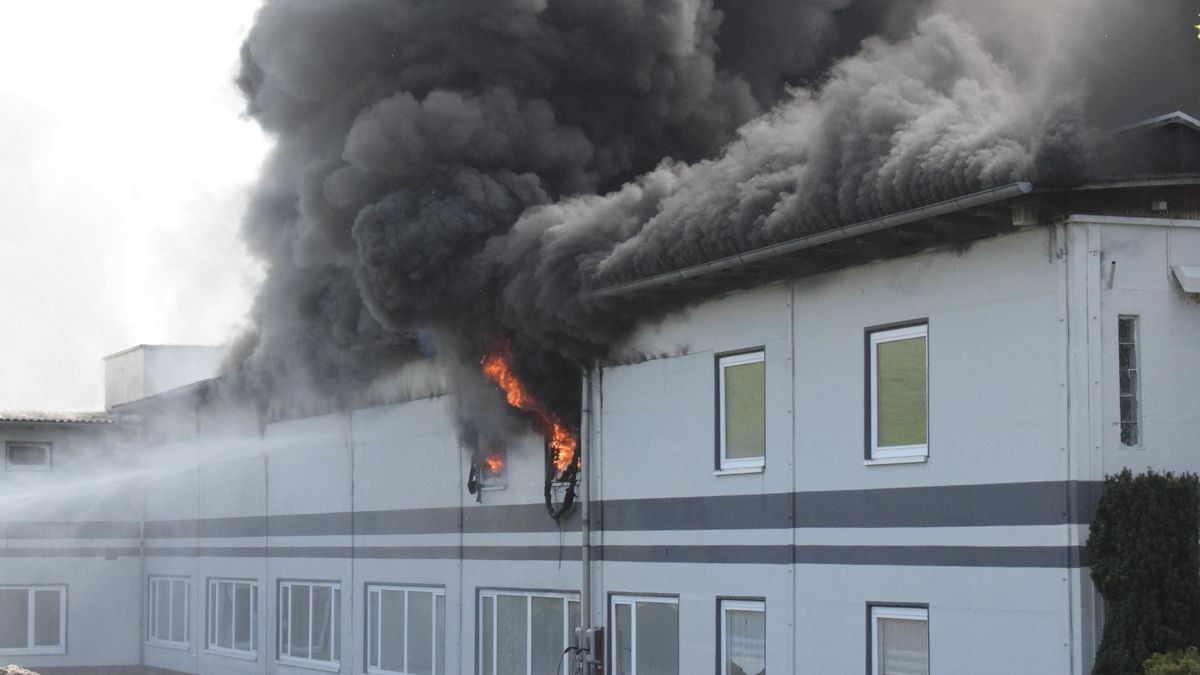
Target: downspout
point(585, 526)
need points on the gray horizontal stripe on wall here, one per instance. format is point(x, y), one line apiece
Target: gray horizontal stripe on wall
point(71, 552)
point(1057, 557)
point(84, 529)
point(1012, 504)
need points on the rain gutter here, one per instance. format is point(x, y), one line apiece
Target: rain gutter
point(859, 229)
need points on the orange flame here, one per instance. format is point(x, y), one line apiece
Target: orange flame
point(495, 462)
point(497, 367)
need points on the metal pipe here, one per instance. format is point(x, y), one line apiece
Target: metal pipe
point(585, 526)
point(809, 241)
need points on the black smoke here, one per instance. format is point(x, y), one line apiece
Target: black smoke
point(452, 172)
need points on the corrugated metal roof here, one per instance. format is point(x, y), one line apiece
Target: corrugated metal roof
point(56, 417)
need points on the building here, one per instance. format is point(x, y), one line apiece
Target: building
point(876, 450)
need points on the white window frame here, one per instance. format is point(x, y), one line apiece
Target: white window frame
point(44, 466)
point(213, 629)
point(153, 582)
point(632, 601)
point(894, 453)
point(567, 599)
point(438, 632)
point(759, 606)
point(29, 648)
point(745, 464)
point(893, 612)
point(285, 638)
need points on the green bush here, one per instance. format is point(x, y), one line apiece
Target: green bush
point(1174, 663)
point(1144, 552)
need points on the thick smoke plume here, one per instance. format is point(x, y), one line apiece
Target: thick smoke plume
point(452, 172)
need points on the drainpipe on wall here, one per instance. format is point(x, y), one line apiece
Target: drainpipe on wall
point(582, 637)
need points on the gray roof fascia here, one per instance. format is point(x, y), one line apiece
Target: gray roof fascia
point(981, 198)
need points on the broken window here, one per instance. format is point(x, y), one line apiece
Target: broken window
point(898, 395)
point(741, 410)
point(1127, 365)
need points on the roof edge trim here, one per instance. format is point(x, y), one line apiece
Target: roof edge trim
point(981, 198)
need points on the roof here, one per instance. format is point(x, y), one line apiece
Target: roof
point(1176, 117)
point(56, 417)
point(148, 347)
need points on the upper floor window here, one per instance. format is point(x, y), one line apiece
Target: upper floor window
point(741, 410)
point(405, 630)
point(645, 635)
point(898, 393)
point(27, 455)
point(33, 619)
point(168, 609)
point(525, 633)
point(899, 640)
point(310, 623)
point(233, 615)
point(1128, 365)
point(743, 637)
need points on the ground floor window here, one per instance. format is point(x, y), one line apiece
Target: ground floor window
point(743, 637)
point(233, 615)
point(645, 635)
point(899, 640)
point(310, 622)
point(32, 619)
point(405, 630)
point(525, 633)
point(167, 611)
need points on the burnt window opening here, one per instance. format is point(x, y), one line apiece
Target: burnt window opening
point(561, 457)
point(489, 471)
point(27, 455)
point(1128, 369)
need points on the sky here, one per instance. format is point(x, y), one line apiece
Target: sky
point(125, 166)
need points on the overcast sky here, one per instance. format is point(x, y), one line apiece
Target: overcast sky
point(125, 165)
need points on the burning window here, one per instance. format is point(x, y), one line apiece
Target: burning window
point(27, 455)
point(741, 414)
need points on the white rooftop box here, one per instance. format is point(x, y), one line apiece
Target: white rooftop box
point(147, 370)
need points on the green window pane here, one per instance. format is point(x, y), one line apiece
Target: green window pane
point(745, 411)
point(902, 404)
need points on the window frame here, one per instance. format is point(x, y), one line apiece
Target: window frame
point(283, 641)
point(738, 604)
point(45, 466)
point(1139, 428)
point(567, 598)
point(152, 591)
point(632, 599)
point(30, 648)
point(893, 610)
point(439, 631)
point(726, 465)
point(875, 335)
point(212, 630)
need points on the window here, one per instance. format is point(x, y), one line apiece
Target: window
point(27, 455)
point(741, 411)
point(233, 616)
point(309, 622)
point(525, 633)
point(899, 640)
point(898, 393)
point(743, 637)
point(168, 611)
point(1127, 364)
point(32, 619)
point(405, 630)
point(645, 635)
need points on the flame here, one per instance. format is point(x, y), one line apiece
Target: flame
point(497, 367)
point(495, 462)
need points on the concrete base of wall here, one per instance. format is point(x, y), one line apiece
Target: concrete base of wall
point(108, 670)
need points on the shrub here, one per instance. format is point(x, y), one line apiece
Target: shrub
point(1174, 663)
point(1144, 551)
